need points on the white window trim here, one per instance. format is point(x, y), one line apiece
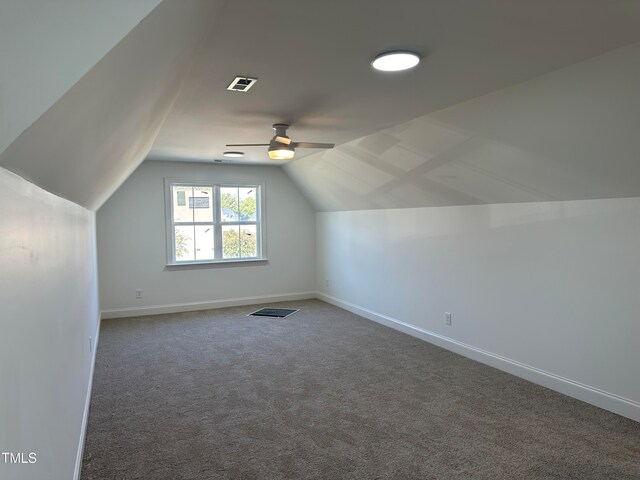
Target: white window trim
point(219, 261)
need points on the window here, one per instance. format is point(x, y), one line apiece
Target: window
point(208, 223)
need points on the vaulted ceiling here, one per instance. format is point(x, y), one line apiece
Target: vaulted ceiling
point(312, 60)
point(48, 46)
point(89, 141)
point(429, 136)
point(568, 135)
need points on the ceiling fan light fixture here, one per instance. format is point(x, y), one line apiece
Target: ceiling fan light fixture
point(281, 152)
point(281, 147)
point(395, 61)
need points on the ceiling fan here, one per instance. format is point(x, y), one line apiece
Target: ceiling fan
point(281, 147)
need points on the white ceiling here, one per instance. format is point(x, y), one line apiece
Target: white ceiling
point(569, 135)
point(42, 56)
point(312, 60)
point(161, 93)
point(89, 141)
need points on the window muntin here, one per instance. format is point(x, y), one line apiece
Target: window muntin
point(210, 223)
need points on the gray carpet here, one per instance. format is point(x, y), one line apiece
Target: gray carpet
point(326, 394)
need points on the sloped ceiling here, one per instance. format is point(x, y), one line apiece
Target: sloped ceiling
point(313, 64)
point(99, 131)
point(162, 89)
point(47, 46)
point(568, 135)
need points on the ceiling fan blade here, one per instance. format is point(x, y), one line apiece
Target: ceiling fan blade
point(313, 145)
point(285, 140)
point(247, 145)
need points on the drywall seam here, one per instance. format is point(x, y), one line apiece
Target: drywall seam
point(194, 306)
point(87, 403)
point(609, 401)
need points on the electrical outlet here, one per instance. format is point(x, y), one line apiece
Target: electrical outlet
point(138, 293)
point(326, 283)
point(447, 318)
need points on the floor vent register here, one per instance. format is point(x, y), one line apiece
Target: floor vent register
point(273, 312)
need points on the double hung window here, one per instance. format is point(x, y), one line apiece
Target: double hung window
point(210, 222)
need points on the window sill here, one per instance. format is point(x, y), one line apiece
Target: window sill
point(219, 263)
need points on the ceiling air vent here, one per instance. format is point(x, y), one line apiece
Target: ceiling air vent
point(242, 84)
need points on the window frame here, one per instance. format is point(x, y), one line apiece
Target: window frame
point(217, 223)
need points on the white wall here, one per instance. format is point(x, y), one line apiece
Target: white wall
point(47, 46)
point(48, 311)
point(554, 286)
point(132, 255)
point(550, 290)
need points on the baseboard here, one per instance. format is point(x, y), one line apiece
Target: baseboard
point(609, 401)
point(87, 402)
point(194, 306)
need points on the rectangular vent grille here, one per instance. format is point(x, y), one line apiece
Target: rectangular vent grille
point(273, 312)
point(242, 84)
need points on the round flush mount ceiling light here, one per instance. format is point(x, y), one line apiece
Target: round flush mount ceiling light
point(395, 61)
point(233, 154)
